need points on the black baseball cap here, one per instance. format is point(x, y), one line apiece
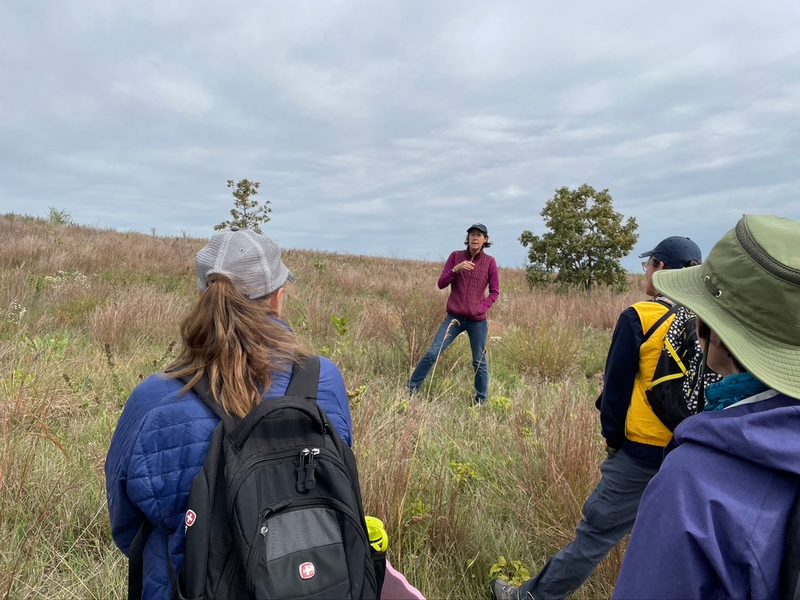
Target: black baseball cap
point(676, 252)
point(480, 227)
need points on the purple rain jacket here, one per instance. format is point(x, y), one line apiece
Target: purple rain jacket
point(712, 521)
point(160, 444)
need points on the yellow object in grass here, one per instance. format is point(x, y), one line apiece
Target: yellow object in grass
point(378, 538)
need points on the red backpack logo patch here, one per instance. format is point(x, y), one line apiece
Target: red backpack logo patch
point(307, 570)
point(190, 518)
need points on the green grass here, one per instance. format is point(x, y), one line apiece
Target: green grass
point(458, 487)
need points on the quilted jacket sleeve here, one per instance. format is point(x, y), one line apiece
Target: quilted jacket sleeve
point(332, 398)
point(126, 516)
point(159, 446)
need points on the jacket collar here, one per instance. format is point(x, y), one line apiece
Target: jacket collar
point(469, 256)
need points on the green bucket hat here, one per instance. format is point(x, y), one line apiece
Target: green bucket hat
point(748, 292)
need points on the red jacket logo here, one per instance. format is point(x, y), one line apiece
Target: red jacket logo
point(307, 570)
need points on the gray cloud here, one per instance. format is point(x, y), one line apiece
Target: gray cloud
point(387, 128)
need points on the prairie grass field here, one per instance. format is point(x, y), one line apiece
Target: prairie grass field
point(85, 314)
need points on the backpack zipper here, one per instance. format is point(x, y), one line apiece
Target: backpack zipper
point(264, 531)
point(305, 472)
point(236, 482)
point(244, 468)
point(279, 506)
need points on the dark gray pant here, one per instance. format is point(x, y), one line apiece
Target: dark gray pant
point(608, 515)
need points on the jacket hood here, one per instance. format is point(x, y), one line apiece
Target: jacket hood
point(765, 433)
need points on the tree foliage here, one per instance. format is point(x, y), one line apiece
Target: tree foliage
point(247, 212)
point(585, 241)
point(59, 217)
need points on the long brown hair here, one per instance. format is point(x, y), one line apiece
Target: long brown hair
point(237, 343)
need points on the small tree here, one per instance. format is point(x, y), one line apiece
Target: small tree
point(247, 213)
point(586, 241)
point(59, 217)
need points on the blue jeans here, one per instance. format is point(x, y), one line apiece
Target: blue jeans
point(478, 332)
point(608, 516)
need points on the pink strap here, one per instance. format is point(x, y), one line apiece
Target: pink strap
point(396, 586)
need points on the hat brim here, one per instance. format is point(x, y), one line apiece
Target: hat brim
point(773, 362)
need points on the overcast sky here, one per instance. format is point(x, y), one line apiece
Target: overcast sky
point(387, 127)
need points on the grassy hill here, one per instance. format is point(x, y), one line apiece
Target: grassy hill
point(85, 314)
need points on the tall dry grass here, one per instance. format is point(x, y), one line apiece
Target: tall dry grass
point(85, 314)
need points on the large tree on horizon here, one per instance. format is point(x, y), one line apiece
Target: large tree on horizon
point(585, 241)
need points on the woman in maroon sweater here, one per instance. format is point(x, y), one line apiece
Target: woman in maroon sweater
point(468, 273)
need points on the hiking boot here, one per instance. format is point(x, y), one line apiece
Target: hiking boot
point(504, 591)
point(479, 401)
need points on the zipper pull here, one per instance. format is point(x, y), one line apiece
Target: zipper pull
point(268, 511)
point(300, 470)
point(310, 481)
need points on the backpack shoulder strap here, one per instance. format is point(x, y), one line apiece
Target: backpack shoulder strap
point(301, 394)
point(304, 384)
point(671, 309)
point(654, 327)
point(305, 378)
point(136, 561)
point(203, 391)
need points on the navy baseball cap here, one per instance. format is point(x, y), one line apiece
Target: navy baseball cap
point(676, 252)
point(479, 227)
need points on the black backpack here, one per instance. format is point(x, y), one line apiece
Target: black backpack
point(676, 389)
point(276, 511)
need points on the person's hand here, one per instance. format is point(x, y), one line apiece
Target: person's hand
point(464, 265)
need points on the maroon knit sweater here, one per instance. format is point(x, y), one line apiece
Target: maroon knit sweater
point(468, 297)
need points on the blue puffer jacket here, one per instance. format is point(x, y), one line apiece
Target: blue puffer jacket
point(160, 445)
